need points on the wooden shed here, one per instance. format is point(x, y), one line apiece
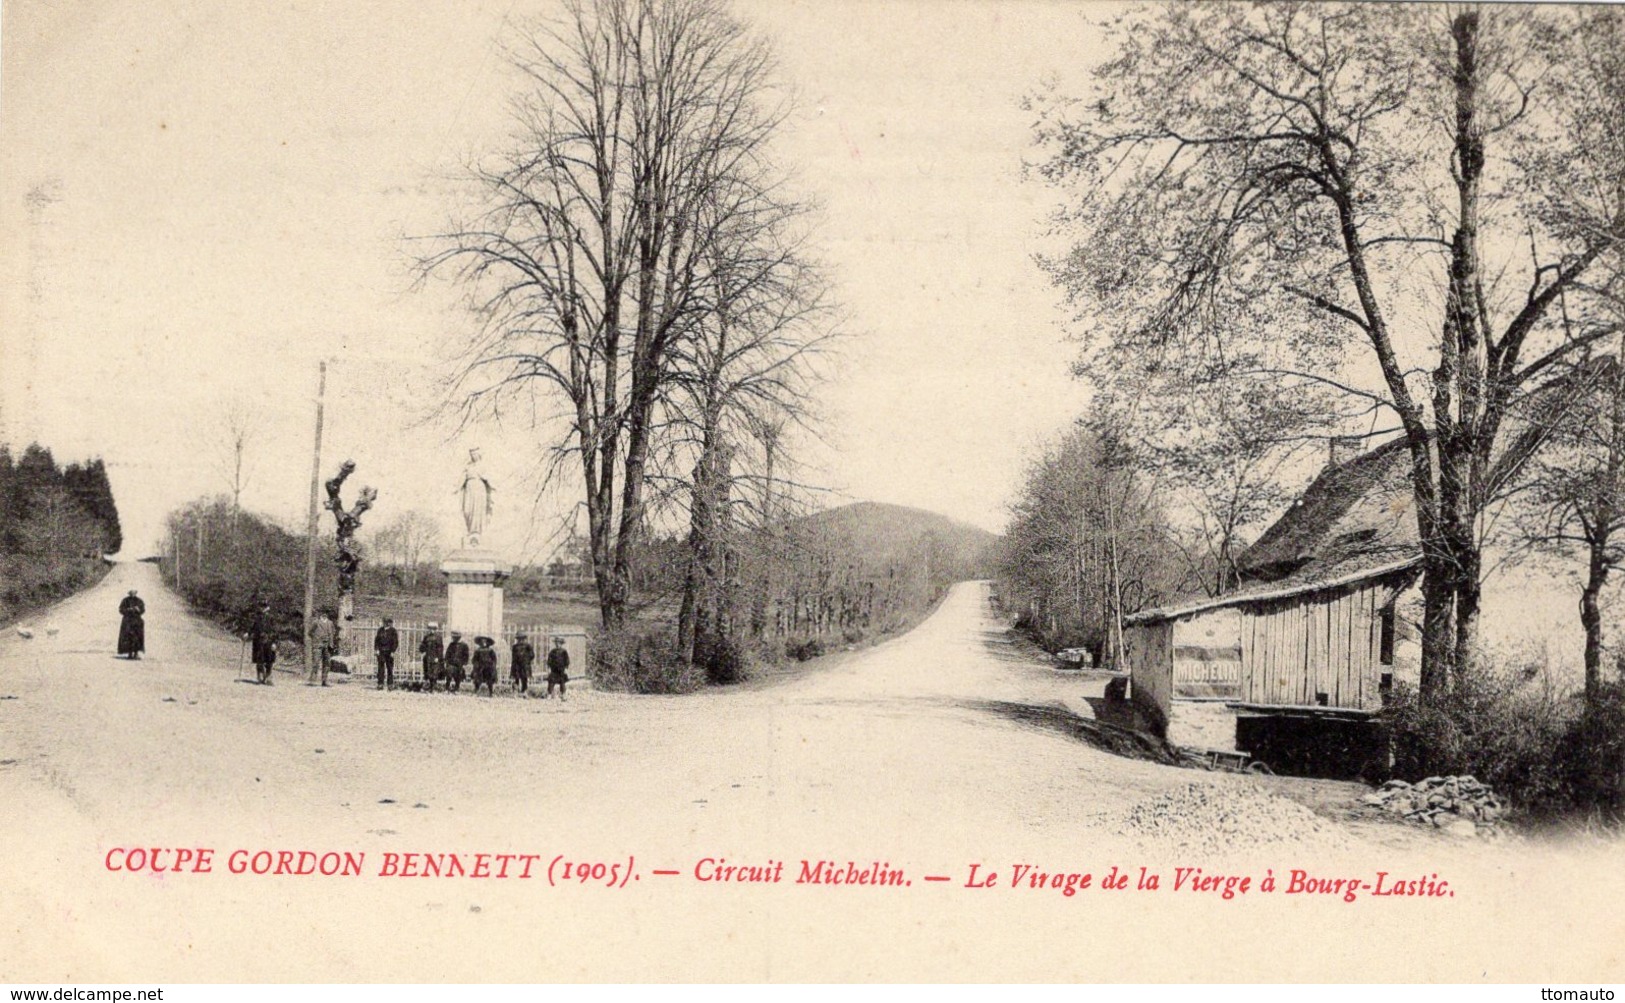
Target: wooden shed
point(1311, 646)
point(1316, 615)
point(1311, 629)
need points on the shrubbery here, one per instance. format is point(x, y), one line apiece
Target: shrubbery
point(55, 524)
point(642, 658)
point(231, 562)
point(28, 582)
point(805, 650)
point(724, 660)
point(1537, 745)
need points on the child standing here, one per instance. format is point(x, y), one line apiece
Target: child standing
point(524, 656)
point(456, 661)
point(558, 664)
point(433, 652)
point(485, 665)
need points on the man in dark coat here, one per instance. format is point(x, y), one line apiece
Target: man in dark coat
point(384, 644)
point(523, 657)
point(558, 666)
point(262, 635)
point(485, 666)
point(433, 652)
point(132, 630)
point(324, 642)
point(456, 660)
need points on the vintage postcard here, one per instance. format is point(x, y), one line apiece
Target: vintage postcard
point(776, 491)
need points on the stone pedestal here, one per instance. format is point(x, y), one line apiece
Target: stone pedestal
point(474, 593)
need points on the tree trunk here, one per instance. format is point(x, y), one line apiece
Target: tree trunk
point(1462, 359)
point(765, 544)
point(1469, 599)
point(693, 616)
point(1591, 621)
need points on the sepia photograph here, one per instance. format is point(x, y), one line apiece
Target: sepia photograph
point(787, 491)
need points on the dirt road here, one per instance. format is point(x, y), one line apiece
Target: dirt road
point(897, 758)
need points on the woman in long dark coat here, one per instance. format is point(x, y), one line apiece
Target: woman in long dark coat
point(132, 630)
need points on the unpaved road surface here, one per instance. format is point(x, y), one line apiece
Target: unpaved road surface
point(907, 754)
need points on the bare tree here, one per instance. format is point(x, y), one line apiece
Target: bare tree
point(1087, 542)
point(1574, 499)
point(586, 264)
point(407, 541)
point(1219, 445)
point(749, 365)
point(57, 527)
point(240, 427)
point(1295, 184)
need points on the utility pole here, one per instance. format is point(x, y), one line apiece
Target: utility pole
point(311, 523)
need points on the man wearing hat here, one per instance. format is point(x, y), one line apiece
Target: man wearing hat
point(433, 651)
point(523, 657)
point(384, 644)
point(324, 641)
point(485, 665)
point(558, 666)
point(456, 660)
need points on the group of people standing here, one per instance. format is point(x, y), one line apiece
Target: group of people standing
point(451, 661)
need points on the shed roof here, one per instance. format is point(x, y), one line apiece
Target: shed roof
point(1355, 516)
point(1355, 522)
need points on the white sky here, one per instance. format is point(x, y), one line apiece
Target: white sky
point(219, 189)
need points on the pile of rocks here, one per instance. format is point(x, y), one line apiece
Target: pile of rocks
point(1459, 805)
point(1210, 818)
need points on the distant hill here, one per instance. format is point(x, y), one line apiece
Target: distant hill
point(884, 534)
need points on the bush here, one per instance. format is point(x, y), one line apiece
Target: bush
point(248, 561)
point(27, 582)
point(1594, 750)
point(804, 650)
point(1507, 725)
point(641, 659)
point(724, 660)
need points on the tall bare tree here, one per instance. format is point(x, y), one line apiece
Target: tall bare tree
point(1574, 499)
point(1307, 182)
point(586, 263)
point(1220, 444)
point(1087, 541)
point(408, 540)
point(750, 364)
point(239, 428)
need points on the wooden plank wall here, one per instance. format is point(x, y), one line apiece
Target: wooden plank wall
point(1150, 652)
point(1295, 649)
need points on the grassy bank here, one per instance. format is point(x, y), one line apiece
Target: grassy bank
point(31, 586)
